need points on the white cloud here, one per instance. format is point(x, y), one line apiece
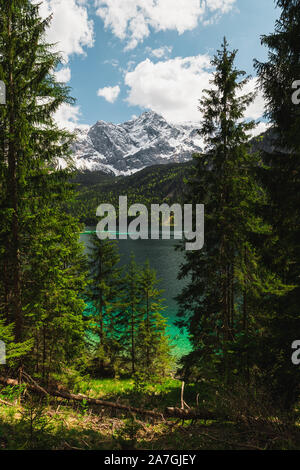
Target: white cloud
point(63, 75)
point(110, 93)
point(223, 6)
point(256, 109)
point(71, 27)
point(131, 20)
point(173, 88)
point(161, 52)
point(68, 116)
point(112, 62)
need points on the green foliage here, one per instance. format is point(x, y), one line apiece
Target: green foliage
point(152, 342)
point(241, 303)
point(221, 304)
point(35, 424)
point(14, 351)
point(104, 294)
point(141, 381)
point(12, 393)
point(280, 177)
point(127, 435)
point(43, 275)
point(154, 185)
point(126, 328)
point(143, 326)
point(131, 315)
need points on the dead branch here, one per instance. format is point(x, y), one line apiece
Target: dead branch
point(80, 398)
point(182, 393)
point(7, 403)
point(170, 412)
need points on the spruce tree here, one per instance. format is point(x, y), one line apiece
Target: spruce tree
point(131, 312)
point(13, 351)
point(54, 286)
point(105, 294)
point(153, 343)
point(42, 277)
point(281, 178)
point(218, 304)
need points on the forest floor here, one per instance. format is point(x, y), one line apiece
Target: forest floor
point(35, 423)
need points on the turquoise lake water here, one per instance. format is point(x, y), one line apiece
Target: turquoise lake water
point(166, 261)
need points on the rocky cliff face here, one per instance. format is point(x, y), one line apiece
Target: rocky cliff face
point(123, 149)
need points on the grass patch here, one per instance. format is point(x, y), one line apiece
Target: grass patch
point(35, 423)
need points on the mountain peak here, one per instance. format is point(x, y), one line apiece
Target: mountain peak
point(126, 148)
point(151, 114)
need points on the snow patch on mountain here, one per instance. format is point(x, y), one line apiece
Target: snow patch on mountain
point(123, 149)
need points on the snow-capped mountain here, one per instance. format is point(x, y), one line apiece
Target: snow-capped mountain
point(123, 149)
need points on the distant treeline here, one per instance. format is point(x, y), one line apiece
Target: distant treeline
point(156, 184)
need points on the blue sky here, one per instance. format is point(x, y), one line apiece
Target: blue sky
point(125, 56)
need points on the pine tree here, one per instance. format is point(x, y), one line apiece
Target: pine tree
point(131, 313)
point(105, 294)
point(54, 282)
point(13, 351)
point(281, 178)
point(217, 306)
point(41, 280)
point(153, 343)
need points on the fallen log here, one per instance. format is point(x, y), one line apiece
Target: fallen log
point(81, 398)
point(7, 403)
point(170, 412)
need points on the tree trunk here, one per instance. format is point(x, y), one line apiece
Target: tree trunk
point(132, 341)
point(148, 333)
point(170, 412)
point(15, 302)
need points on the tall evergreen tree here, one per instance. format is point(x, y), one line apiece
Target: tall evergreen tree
point(41, 279)
point(105, 294)
point(281, 178)
point(153, 342)
point(218, 303)
point(131, 312)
